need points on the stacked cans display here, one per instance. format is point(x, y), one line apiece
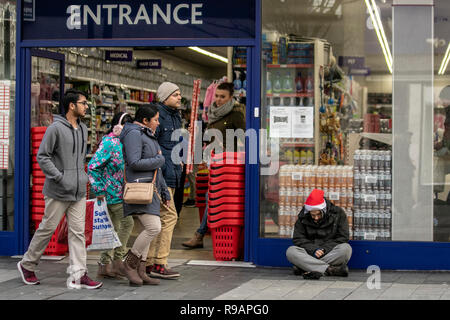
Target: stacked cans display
point(372, 196)
point(37, 198)
point(297, 182)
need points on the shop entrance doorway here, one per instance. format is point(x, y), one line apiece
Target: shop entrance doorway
point(120, 79)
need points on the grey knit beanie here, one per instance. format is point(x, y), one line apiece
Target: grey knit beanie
point(165, 90)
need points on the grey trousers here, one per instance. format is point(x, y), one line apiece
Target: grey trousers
point(76, 216)
point(300, 258)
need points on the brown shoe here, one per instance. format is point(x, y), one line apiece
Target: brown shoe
point(105, 271)
point(118, 268)
point(195, 242)
point(163, 272)
point(131, 265)
point(145, 278)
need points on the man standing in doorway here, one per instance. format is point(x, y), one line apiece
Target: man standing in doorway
point(61, 157)
point(169, 96)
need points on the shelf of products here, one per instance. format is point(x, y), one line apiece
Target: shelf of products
point(240, 73)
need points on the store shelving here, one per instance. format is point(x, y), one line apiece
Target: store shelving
point(290, 95)
point(291, 66)
point(296, 80)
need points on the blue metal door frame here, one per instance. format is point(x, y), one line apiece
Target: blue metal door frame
point(20, 238)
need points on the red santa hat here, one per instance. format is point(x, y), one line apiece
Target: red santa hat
point(315, 201)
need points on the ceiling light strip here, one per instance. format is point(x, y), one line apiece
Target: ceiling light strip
point(209, 54)
point(383, 34)
point(380, 40)
point(445, 61)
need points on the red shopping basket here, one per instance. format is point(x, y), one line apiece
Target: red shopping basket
point(38, 130)
point(229, 157)
point(37, 188)
point(226, 185)
point(38, 174)
point(228, 242)
point(38, 181)
point(224, 215)
point(225, 222)
point(226, 200)
point(227, 170)
point(226, 207)
point(36, 214)
point(37, 137)
point(227, 177)
point(216, 194)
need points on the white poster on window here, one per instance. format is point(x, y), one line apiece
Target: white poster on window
point(4, 123)
point(280, 122)
point(302, 122)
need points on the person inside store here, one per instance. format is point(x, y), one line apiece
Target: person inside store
point(143, 160)
point(169, 96)
point(190, 202)
point(179, 192)
point(321, 236)
point(61, 157)
point(442, 145)
point(224, 114)
point(105, 171)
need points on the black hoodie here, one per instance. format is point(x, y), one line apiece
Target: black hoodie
point(330, 231)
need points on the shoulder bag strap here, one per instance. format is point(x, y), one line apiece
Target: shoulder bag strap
point(137, 180)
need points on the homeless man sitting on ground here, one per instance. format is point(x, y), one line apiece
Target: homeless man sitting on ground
point(321, 236)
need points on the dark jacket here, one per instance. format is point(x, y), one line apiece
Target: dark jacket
point(329, 232)
point(169, 121)
point(140, 152)
point(61, 157)
point(233, 120)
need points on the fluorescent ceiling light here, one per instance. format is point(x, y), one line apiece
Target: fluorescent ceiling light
point(209, 54)
point(445, 60)
point(378, 26)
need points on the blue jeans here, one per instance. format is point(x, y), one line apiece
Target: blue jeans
point(203, 225)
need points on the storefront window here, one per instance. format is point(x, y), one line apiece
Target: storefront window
point(329, 102)
point(441, 128)
point(7, 112)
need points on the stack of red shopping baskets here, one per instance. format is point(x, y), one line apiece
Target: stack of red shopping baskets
point(201, 188)
point(37, 198)
point(226, 198)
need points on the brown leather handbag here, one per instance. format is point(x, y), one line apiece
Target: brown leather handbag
point(139, 192)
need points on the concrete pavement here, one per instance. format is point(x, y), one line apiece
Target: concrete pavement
point(228, 282)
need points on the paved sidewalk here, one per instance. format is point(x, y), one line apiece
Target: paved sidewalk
point(227, 283)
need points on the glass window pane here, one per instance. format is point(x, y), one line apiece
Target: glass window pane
point(7, 113)
point(327, 111)
point(441, 128)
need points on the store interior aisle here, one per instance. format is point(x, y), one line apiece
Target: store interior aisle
point(187, 224)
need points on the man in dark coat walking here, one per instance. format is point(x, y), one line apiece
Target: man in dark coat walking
point(169, 96)
point(321, 236)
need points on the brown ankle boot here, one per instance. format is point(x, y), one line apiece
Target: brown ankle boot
point(105, 271)
point(130, 265)
point(118, 268)
point(145, 278)
point(195, 242)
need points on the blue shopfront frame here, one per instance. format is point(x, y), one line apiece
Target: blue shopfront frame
point(260, 251)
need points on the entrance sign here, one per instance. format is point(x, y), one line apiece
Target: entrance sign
point(138, 19)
